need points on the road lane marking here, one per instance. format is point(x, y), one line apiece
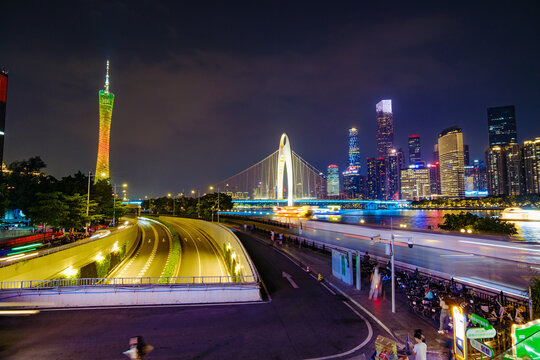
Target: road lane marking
point(197, 230)
point(125, 267)
point(355, 349)
point(152, 254)
point(196, 248)
point(327, 288)
point(288, 277)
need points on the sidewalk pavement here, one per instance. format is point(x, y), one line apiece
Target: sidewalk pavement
point(396, 325)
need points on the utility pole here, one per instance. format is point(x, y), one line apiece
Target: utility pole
point(88, 201)
point(218, 204)
point(114, 206)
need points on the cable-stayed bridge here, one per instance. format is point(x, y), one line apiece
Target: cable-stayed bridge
point(265, 180)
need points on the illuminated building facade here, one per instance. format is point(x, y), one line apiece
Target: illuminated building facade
point(502, 125)
point(467, 158)
point(476, 179)
point(530, 155)
point(376, 179)
point(385, 127)
point(332, 181)
point(393, 175)
point(3, 101)
point(352, 183)
point(352, 180)
point(496, 171)
point(435, 171)
point(434, 178)
point(512, 157)
point(451, 161)
point(415, 183)
point(415, 155)
point(106, 100)
point(354, 149)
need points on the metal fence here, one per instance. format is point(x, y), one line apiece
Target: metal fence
point(130, 282)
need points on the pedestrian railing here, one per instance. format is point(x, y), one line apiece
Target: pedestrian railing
point(130, 282)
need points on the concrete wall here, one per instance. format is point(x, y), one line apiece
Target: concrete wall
point(50, 266)
point(127, 296)
point(223, 236)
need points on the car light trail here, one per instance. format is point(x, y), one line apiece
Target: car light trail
point(501, 246)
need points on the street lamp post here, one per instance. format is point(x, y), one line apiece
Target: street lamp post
point(114, 206)
point(88, 202)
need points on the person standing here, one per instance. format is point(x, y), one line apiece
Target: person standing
point(375, 283)
point(444, 314)
point(272, 235)
point(420, 348)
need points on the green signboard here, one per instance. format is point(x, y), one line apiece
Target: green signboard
point(478, 320)
point(483, 348)
point(480, 333)
point(526, 340)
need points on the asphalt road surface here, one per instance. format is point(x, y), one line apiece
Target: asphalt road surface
point(150, 258)
point(306, 321)
point(200, 257)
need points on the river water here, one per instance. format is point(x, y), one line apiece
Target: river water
point(424, 219)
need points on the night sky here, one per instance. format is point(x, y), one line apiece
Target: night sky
point(203, 90)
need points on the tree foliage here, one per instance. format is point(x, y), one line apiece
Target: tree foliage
point(456, 222)
point(57, 203)
point(535, 296)
point(49, 209)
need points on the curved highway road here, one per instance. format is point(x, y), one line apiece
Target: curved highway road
point(150, 257)
point(200, 257)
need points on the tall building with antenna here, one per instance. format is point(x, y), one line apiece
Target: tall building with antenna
point(106, 100)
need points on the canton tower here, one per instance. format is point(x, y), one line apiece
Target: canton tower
point(106, 100)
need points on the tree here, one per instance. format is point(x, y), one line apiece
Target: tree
point(24, 181)
point(3, 198)
point(73, 184)
point(75, 217)
point(49, 209)
point(102, 194)
point(535, 296)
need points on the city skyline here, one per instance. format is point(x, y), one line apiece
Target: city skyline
point(176, 94)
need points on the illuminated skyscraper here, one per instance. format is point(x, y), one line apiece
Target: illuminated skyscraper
point(376, 179)
point(3, 100)
point(415, 183)
point(512, 157)
point(354, 149)
point(106, 100)
point(530, 154)
point(385, 127)
point(415, 155)
point(351, 175)
point(393, 175)
point(502, 125)
point(332, 180)
point(496, 170)
point(451, 162)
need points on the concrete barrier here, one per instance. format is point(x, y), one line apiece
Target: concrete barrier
point(98, 296)
point(52, 265)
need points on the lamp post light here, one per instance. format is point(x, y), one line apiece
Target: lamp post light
point(198, 203)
